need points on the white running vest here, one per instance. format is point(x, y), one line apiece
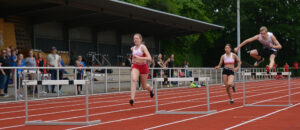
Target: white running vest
point(266, 43)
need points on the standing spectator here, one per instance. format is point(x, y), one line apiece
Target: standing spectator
point(17, 52)
point(61, 73)
point(274, 67)
point(158, 64)
point(286, 67)
point(128, 61)
point(79, 75)
point(81, 61)
point(82, 64)
point(30, 62)
point(170, 64)
point(8, 52)
point(164, 58)
point(53, 61)
point(296, 69)
point(186, 66)
point(13, 62)
point(13, 58)
point(20, 63)
point(41, 62)
point(6, 63)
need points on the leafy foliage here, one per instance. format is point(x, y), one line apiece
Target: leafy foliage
point(282, 17)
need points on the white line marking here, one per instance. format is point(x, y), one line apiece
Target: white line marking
point(264, 116)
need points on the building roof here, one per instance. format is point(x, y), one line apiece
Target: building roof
point(102, 15)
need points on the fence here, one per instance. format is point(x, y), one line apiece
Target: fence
point(107, 79)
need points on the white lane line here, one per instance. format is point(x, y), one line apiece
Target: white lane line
point(264, 116)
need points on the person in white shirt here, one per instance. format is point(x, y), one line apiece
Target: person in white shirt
point(53, 61)
point(270, 43)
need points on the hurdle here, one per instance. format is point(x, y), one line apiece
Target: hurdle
point(58, 82)
point(206, 79)
point(266, 74)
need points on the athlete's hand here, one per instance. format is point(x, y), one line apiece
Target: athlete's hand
point(235, 69)
point(136, 57)
point(236, 49)
point(217, 67)
point(271, 45)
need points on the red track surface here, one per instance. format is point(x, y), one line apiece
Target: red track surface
point(115, 112)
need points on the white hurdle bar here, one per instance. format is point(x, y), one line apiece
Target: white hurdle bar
point(58, 82)
point(266, 74)
point(206, 79)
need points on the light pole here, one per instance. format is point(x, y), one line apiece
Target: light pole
point(238, 33)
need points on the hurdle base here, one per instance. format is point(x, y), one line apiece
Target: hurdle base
point(39, 122)
point(185, 112)
point(252, 105)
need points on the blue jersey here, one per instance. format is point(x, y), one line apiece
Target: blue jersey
point(20, 70)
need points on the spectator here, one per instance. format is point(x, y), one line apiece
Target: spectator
point(5, 63)
point(17, 53)
point(8, 52)
point(13, 58)
point(41, 62)
point(13, 62)
point(164, 58)
point(79, 75)
point(274, 67)
point(12, 48)
point(128, 61)
point(53, 61)
point(82, 64)
point(81, 61)
point(296, 69)
point(20, 63)
point(30, 62)
point(187, 72)
point(286, 67)
point(61, 73)
point(158, 64)
point(170, 64)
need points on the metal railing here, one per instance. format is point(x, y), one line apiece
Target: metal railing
point(111, 79)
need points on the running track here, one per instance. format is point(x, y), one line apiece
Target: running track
point(115, 112)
